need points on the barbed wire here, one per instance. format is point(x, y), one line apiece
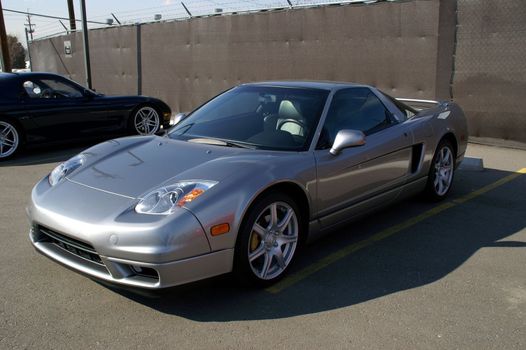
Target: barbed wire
point(174, 10)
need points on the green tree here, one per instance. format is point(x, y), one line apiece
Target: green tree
point(17, 53)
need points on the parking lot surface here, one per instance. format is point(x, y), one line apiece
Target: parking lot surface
point(416, 275)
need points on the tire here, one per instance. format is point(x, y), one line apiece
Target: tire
point(441, 172)
point(11, 139)
point(145, 120)
point(264, 251)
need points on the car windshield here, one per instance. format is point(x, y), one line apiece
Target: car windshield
point(266, 117)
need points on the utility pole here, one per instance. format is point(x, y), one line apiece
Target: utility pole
point(29, 26)
point(31, 31)
point(6, 61)
point(72, 22)
point(29, 51)
point(86, 42)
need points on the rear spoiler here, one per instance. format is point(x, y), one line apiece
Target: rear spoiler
point(422, 104)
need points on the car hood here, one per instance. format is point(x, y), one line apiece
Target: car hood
point(134, 166)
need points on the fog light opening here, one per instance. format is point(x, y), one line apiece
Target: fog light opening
point(144, 271)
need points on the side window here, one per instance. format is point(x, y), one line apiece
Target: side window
point(50, 88)
point(61, 89)
point(408, 111)
point(355, 109)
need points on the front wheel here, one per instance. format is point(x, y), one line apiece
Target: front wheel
point(10, 139)
point(442, 171)
point(268, 241)
point(145, 121)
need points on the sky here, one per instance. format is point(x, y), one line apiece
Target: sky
point(129, 11)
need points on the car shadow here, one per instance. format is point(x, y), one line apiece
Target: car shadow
point(419, 255)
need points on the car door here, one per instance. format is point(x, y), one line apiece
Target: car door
point(49, 115)
point(361, 177)
point(61, 109)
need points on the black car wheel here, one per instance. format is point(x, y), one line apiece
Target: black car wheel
point(146, 120)
point(268, 241)
point(10, 139)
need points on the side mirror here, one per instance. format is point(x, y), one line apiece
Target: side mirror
point(176, 119)
point(345, 139)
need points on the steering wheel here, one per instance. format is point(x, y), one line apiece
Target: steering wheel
point(47, 93)
point(60, 94)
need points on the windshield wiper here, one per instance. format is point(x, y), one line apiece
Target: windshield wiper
point(239, 144)
point(220, 142)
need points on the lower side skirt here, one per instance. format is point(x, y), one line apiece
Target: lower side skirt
point(321, 226)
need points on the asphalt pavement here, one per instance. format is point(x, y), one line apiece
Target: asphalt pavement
point(416, 275)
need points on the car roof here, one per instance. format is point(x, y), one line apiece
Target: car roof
point(7, 76)
point(15, 75)
point(9, 86)
point(35, 74)
point(307, 84)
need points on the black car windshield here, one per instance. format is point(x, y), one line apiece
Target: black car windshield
point(266, 117)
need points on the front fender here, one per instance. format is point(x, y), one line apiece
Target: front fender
point(228, 201)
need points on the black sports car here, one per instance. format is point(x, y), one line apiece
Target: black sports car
point(38, 108)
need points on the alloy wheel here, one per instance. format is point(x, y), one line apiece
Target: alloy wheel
point(9, 139)
point(273, 240)
point(146, 121)
point(443, 171)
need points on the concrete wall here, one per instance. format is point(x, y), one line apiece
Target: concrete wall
point(113, 58)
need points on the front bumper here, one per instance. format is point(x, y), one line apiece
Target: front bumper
point(99, 234)
point(125, 272)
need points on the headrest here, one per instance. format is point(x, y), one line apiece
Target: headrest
point(287, 110)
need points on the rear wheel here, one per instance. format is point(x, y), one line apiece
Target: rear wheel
point(145, 121)
point(268, 240)
point(10, 139)
point(442, 171)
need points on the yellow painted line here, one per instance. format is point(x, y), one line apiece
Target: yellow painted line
point(340, 254)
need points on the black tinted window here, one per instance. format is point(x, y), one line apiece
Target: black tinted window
point(354, 109)
point(62, 89)
point(51, 88)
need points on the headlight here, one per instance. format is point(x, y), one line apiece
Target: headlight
point(176, 118)
point(166, 200)
point(65, 169)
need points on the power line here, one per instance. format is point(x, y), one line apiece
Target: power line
point(49, 16)
point(157, 8)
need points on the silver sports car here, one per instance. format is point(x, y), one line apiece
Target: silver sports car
point(242, 182)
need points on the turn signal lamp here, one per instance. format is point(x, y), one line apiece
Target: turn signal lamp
point(219, 229)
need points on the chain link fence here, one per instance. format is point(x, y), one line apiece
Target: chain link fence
point(490, 67)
